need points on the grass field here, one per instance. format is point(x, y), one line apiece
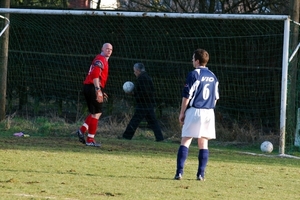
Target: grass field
point(62, 168)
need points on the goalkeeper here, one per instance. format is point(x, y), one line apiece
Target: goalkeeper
point(94, 83)
point(144, 97)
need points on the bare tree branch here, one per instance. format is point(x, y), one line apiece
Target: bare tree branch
point(183, 6)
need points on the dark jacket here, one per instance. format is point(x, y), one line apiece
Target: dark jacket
point(144, 91)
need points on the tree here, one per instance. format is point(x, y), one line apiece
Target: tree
point(181, 6)
point(293, 68)
point(208, 6)
point(42, 3)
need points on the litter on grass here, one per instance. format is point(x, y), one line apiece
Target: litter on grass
point(21, 134)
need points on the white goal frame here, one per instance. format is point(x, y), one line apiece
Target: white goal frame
point(286, 37)
point(6, 26)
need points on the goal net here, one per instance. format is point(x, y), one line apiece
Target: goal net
point(50, 52)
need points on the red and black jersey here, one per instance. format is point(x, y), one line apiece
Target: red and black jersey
point(98, 69)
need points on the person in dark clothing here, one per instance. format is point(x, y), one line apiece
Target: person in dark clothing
point(144, 96)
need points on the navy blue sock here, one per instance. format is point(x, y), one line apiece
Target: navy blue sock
point(182, 154)
point(203, 159)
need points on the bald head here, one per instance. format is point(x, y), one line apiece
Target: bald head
point(107, 49)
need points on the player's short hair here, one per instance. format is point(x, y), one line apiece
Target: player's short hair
point(139, 66)
point(202, 56)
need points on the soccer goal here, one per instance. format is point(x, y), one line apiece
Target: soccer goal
point(6, 24)
point(51, 50)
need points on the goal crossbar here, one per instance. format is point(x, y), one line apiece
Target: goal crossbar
point(143, 14)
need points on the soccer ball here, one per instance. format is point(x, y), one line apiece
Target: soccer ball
point(266, 147)
point(128, 86)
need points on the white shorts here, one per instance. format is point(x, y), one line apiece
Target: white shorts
point(199, 123)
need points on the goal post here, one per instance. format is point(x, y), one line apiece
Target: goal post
point(245, 51)
point(284, 80)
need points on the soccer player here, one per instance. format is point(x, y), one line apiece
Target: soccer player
point(94, 83)
point(199, 97)
point(144, 97)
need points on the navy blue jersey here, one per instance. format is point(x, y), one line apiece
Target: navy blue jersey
point(201, 87)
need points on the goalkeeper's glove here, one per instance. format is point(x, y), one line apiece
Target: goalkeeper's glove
point(105, 96)
point(99, 96)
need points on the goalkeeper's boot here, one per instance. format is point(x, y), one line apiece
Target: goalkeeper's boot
point(80, 136)
point(93, 144)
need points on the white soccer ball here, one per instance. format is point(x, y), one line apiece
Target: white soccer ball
point(128, 86)
point(266, 147)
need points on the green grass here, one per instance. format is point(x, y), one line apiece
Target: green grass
point(62, 168)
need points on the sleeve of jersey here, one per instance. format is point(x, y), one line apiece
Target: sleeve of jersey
point(187, 86)
point(97, 67)
point(98, 63)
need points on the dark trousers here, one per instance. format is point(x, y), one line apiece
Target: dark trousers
point(139, 114)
